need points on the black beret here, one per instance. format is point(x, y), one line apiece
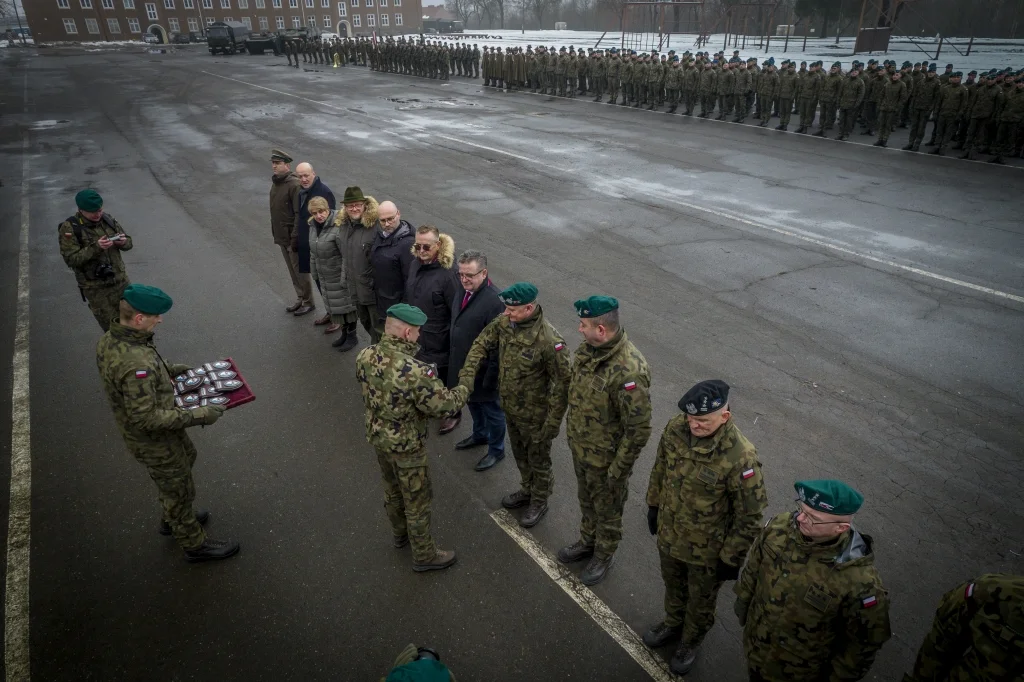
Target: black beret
point(705, 397)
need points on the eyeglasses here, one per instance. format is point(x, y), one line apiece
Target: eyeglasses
point(471, 276)
point(388, 219)
point(423, 247)
point(810, 520)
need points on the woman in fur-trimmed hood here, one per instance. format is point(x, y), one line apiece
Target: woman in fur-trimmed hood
point(432, 286)
point(358, 224)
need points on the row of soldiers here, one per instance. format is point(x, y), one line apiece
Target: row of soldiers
point(984, 114)
point(316, 50)
point(427, 59)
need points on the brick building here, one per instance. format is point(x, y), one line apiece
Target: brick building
point(100, 20)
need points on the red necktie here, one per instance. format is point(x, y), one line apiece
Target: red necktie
point(465, 299)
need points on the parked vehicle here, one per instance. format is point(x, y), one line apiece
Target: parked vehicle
point(180, 39)
point(260, 43)
point(151, 39)
point(227, 37)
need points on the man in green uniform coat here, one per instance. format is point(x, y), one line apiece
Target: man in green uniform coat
point(533, 384)
point(767, 91)
point(925, 100)
point(607, 425)
point(787, 91)
point(705, 503)
point(401, 394)
point(978, 633)
point(851, 96)
point(952, 103)
point(889, 107)
point(810, 600)
point(91, 243)
point(140, 387)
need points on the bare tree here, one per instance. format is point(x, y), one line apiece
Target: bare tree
point(540, 8)
point(462, 9)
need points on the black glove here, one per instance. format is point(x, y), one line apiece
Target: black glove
point(652, 520)
point(724, 571)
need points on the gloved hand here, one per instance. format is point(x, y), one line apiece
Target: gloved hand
point(207, 414)
point(652, 520)
point(740, 609)
point(179, 368)
point(724, 571)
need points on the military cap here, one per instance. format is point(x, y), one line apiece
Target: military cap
point(803, 63)
point(520, 293)
point(562, 49)
point(553, 47)
point(146, 299)
point(409, 314)
point(931, 68)
point(528, 47)
point(972, 73)
point(957, 74)
point(919, 64)
point(352, 195)
point(949, 66)
point(595, 306)
point(278, 155)
point(705, 397)
point(837, 65)
point(906, 65)
point(829, 496)
point(89, 200)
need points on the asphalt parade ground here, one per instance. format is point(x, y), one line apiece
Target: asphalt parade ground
point(866, 305)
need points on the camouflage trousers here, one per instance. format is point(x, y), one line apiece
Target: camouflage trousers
point(533, 459)
point(847, 119)
point(171, 471)
point(918, 124)
point(945, 127)
point(828, 114)
point(691, 595)
point(407, 496)
point(785, 110)
point(600, 505)
point(104, 302)
point(808, 107)
point(886, 122)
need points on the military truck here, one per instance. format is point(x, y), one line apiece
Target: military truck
point(227, 37)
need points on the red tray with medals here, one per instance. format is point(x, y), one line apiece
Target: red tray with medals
point(242, 395)
point(213, 383)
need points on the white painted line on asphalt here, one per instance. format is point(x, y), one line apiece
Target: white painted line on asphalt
point(16, 623)
point(823, 243)
point(586, 599)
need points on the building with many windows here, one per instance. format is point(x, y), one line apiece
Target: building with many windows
point(104, 20)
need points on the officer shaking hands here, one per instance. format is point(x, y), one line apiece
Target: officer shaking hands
point(91, 243)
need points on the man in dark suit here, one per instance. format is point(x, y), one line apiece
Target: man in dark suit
point(472, 310)
point(310, 186)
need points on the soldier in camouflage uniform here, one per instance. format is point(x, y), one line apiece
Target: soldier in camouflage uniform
point(139, 385)
point(91, 243)
point(810, 600)
point(978, 633)
point(607, 425)
point(705, 502)
point(533, 383)
point(400, 394)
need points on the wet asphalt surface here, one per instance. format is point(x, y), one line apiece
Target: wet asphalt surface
point(720, 242)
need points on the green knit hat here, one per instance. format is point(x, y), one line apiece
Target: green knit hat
point(829, 496)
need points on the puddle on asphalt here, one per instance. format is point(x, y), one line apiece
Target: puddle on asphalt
point(415, 103)
point(158, 51)
point(47, 124)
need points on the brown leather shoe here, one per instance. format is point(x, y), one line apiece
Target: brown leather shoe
point(293, 307)
point(448, 424)
point(321, 321)
point(443, 559)
point(304, 310)
point(331, 329)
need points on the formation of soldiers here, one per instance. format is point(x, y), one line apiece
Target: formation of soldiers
point(335, 52)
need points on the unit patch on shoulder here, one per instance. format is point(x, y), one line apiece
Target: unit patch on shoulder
point(868, 602)
point(141, 373)
point(629, 385)
point(559, 345)
point(749, 473)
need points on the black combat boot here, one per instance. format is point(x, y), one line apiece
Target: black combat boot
point(880, 143)
point(575, 552)
point(672, 109)
point(596, 570)
point(781, 126)
point(348, 340)
point(661, 634)
point(820, 133)
point(998, 159)
point(908, 147)
point(519, 498)
point(533, 515)
point(682, 660)
point(212, 550)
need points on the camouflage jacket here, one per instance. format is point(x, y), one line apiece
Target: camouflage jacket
point(978, 633)
point(140, 389)
point(400, 394)
point(533, 371)
point(609, 416)
point(953, 100)
point(851, 93)
point(83, 256)
point(830, 87)
point(812, 612)
point(894, 96)
point(709, 493)
point(768, 85)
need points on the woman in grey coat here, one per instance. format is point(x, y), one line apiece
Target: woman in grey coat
point(327, 267)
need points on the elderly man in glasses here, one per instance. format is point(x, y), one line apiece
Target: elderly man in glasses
point(810, 599)
point(391, 255)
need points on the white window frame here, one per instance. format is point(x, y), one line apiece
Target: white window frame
point(188, 4)
point(371, 21)
point(296, 22)
point(114, 26)
point(310, 4)
point(355, 3)
point(382, 3)
point(193, 24)
point(207, 4)
point(355, 21)
point(210, 20)
point(398, 18)
point(276, 4)
point(264, 24)
point(327, 21)
point(133, 25)
point(107, 4)
point(279, 23)
point(343, 9)
point(168, 4)
point(225, 4)
point(129, 4)
point(398, 3)
point(385, 20)
point(229, 18)
point(63, 4)
point(70, 28)
point(293, 4)
point(151, 12)
point(86, 4)
point(243, 4)
point(173, 24)
point(368, 3)
point(247, 22)
point(92, 26)
point(261, 4)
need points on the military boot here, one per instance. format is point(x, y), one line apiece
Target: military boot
point(202, 516)
point(212, 550)
point(519, 498)
point(348, 340)
point(575, 552)
point(682, 660)
point(781, 126)
point(820, 133)
point(996, 159)
point(533, 515)
point(400, 541)
point(908, 147)
point(661, 634)
point(916, 148)
point(596, 570)
point(442, 559)
point(651, 107)
point(880, 143)
point(672, 109)
point(937, 151)
point(969, 155)
point(612, 100)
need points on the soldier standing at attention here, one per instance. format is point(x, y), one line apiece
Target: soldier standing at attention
point(139, 386)
point(705, 503)
point(810, 600)
point(608, 424)
point(978, 633)
point(400, 394)
point(91, 243)
point(533, 384)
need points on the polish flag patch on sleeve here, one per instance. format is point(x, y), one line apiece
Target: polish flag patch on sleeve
point(969, 591)
point(559, 345)
point(141, 373)
point(868, 602)
point(629, 385)
point(749, 473)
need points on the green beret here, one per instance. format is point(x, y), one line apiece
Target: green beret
point(146, 299)
point(837, 65)
point(596, 306)
point(519, 293)
point(89, 200)
point(422, 670)
point(409, 314)
point(829, 496)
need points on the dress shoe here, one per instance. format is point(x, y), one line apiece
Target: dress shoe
point(448, 424)
point(470, 442)
point(575, 552)
point(202, 516)
point(596, 570)
point(304, 310)
point(212, 550)
point(442, 559)
point(682, 660)
point(400, 541)
point(661, 634)
point(488, 460)
point(321, 321)
point(515, 500)
point(534, 514)
point(293, 307)
point(330, 329)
